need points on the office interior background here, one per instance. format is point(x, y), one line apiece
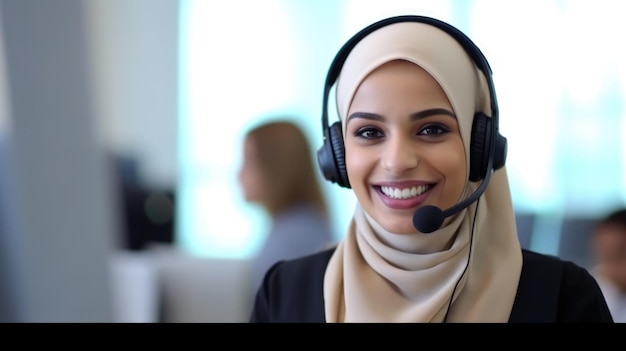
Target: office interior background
point(122, 123)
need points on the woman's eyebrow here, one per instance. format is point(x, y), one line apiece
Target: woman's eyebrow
point(366, 115)
point(432, 112)
point(414, 116)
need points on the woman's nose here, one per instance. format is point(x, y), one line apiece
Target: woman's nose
point(399, 155)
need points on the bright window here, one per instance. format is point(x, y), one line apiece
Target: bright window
point(559, 68)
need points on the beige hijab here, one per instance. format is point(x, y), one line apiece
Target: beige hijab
point(378, 276)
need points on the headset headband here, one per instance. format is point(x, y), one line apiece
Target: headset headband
point(472, 50)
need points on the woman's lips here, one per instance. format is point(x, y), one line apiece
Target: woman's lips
point(403, 204)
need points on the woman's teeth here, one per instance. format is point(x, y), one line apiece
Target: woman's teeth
point(404, 193)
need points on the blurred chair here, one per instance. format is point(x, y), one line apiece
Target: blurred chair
point(202, 290)
point(162, 284)
point(135, 286)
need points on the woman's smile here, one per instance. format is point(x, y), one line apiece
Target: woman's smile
point(402, 196)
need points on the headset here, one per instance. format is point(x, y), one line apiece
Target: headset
point(488, 148)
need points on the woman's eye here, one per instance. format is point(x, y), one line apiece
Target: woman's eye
point(368, 133)
point(433, 129)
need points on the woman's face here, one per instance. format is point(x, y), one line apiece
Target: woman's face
point(403, 146)
point(610, 250)
point(251, 175)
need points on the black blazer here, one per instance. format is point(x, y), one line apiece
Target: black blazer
point(550, 290)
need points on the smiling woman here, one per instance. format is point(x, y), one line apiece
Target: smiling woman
point(418, 130)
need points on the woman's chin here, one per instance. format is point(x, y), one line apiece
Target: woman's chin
point(402, 226)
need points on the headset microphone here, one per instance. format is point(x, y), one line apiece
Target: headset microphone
point(427, 219)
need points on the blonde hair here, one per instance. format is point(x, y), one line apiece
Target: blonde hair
point(285, 160)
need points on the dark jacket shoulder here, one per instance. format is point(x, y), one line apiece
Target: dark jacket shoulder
point(550, 290)
point(293, 291)
point(556, 290)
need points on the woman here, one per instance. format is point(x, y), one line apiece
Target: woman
point(278, 174)
point(418, 135)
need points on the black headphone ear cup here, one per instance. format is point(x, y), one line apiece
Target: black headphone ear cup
point(501, 150)
point(479, 147)
point(339, 154)
point(331, 157)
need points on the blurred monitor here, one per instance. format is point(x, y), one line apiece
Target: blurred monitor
point(525, 225)
point(575, 240)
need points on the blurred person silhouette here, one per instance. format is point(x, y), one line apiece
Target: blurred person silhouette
point(278, 174)
point(609, 254)
point(433, 236)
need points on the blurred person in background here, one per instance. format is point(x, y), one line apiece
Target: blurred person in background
point(609, 251)
point(278, 174)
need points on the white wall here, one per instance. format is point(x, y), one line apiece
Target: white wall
point(85, 78)
point(134, 52)
point(56, 216)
